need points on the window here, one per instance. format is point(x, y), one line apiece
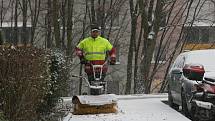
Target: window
point(204, 35)
point(192, 35)
point(179, 62)
point(9, 33)
point(199, 34)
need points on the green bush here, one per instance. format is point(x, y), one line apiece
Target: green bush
point(24, 81)
point(58, 86)
point(31, 82)
point(2, 117)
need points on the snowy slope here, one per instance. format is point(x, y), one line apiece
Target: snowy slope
point(136, 108)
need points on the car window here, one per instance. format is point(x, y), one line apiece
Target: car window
point(178, 62)
point(181, 62)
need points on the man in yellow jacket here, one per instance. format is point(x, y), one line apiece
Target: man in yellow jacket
point(94, 50)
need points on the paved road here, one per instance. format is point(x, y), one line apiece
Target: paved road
point(136, 108)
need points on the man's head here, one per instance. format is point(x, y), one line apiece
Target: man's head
point(95, 31)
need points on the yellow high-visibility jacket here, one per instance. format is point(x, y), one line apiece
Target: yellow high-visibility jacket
point(95, 49)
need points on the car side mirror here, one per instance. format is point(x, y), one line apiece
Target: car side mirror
point(194, 72)
point(177, 71)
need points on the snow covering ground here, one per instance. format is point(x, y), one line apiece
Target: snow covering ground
point(136, 108)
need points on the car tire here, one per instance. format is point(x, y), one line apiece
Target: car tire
point(184, 105)
point(193, 114)
point(170, 101)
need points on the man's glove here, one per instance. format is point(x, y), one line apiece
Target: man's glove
point(112, 61)
point(83, 61)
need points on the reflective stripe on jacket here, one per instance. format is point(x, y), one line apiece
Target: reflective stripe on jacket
point(95, 49)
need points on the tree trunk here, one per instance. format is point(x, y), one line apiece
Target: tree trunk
point(16, 39)
point(69, 26)
point(136, 67)
point(133, 11)
point(56, 21)
point(102, 18)
point(63, 23)
point(2, 8)
point(49, 22)
point(82, 37)
point(24, 28)
point(93, 13)
point(151, 27)
point(35, 12)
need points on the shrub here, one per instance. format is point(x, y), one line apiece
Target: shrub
point(2, 117)
point(24, 81)
point(58, 86)
point(31, 81)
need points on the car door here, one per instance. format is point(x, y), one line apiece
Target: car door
point(179, 78)
point(171, 78)
point(176, 74)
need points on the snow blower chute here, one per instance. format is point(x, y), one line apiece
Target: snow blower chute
point(97, 101)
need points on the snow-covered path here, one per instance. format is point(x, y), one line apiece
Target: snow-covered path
point(136, 108)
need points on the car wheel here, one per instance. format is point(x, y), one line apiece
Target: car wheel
point(195, 119)
point(170, 101)
point(193, 114)
point(184, 105)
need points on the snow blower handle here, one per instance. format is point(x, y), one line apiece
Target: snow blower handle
point(100, 69)
point(76, 76)
point(82, 77)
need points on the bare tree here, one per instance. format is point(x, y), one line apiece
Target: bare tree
point(82, 37)
point(1, 12)
point(182, 39)
point(134, 16)
point(35, 8)
point(151, 27)
point(56, 24)
point(144, 69)
point(136, 56)
point(69, 26)
point(24, 20)
point(93, 13)
point(63, 16)
point(15, 39)
point(48, 23)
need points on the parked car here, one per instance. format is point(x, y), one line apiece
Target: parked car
point(189, 70)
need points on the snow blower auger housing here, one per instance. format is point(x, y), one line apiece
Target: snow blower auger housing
point(94, 104)
point(97, 101)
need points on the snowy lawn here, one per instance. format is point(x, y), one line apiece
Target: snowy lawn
point(136, 108)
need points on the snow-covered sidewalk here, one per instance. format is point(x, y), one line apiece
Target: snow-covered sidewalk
point(136, 108)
